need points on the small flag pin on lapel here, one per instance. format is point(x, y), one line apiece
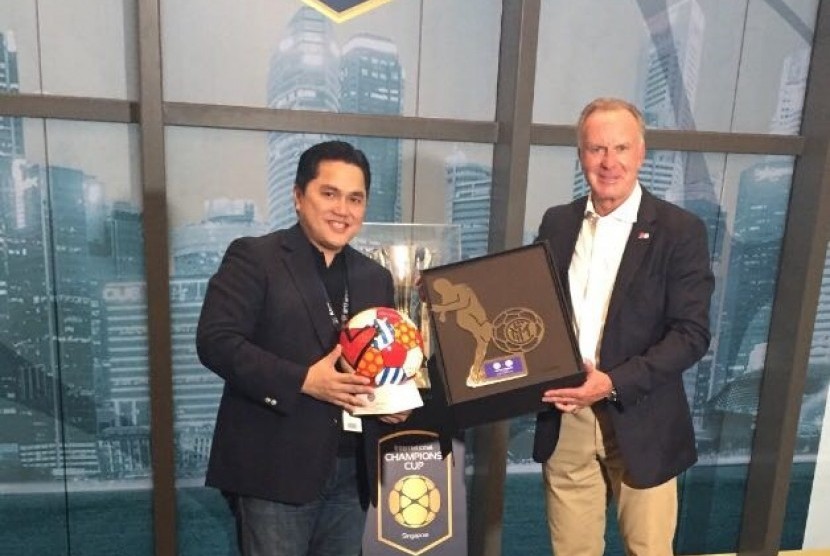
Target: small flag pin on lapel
point(643, 235)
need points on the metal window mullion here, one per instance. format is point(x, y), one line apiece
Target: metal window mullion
point(332, 123)
point(793, 314)
point(253, 118)
point(69, 108)
point(511, 154)
point(151, 121)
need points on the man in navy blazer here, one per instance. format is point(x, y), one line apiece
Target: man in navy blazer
point(638, 273)
point(286, 452)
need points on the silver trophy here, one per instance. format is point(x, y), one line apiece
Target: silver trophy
point(405, 250)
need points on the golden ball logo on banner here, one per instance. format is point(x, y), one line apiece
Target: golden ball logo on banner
point(414, 501)
point(344, 10)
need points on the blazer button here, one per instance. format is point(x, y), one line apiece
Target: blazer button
point(273, 402)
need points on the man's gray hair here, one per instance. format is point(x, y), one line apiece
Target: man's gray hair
point(608, 104)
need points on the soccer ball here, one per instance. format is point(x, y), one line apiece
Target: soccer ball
point(414, 501)
point(383, 345)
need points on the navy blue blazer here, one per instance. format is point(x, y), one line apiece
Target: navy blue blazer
point(657, 326)
point(263, 324)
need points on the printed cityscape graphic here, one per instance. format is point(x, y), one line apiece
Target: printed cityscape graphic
point(74, 396)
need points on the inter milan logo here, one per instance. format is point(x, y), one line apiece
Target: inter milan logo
point(518, 330)
point(343, 10)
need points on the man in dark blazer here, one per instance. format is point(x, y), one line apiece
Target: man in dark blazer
point(286, 452)
point(638, 274)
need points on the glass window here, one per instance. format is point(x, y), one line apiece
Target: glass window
point(459, 59)
point(777, 43)
point(75, 399)
point(29, 416)
point(288, 55)
point(205, 165)
point(217, 191)
point(693, 64)
point(453, 182)
point(807, 505)
point(294, 57)
point(95, 56)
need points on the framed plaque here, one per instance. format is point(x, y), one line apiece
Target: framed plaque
point(503, 334)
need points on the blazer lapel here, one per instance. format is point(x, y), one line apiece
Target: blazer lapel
point(300, 264)
point(639, 243)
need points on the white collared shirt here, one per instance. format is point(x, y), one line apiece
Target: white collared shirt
point(593, 270)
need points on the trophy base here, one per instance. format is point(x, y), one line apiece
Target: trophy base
point(391, 398)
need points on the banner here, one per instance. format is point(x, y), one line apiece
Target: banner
point(421, 505)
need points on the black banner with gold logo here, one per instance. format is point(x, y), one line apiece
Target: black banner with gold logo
point(421, 497)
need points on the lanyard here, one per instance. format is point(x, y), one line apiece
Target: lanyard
point(344, 311)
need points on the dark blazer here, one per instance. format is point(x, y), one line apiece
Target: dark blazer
point(657, 326)
point(263, 324)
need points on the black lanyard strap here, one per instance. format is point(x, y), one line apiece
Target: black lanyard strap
point(344, 310)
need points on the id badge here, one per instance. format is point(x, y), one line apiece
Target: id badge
point(351, 423)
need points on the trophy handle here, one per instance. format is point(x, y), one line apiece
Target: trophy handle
point(422, 375)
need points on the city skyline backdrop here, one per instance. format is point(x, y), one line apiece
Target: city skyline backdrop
point(309, 69)
point(197, 68)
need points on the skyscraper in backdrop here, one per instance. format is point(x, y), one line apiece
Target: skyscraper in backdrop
point(308, 72)
point(468, 202)
point(372, 83)
point(304, 74)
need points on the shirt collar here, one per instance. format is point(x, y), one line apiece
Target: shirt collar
point(626, 212)
point(337, 263)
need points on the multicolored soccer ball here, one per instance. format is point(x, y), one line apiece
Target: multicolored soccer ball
point(383, 345)
point(414, 501)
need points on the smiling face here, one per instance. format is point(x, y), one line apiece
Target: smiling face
point(332, 207)
point(611, 151)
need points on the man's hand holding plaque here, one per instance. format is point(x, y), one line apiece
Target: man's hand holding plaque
point(385, 346)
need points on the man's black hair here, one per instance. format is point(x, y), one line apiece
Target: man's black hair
point(310, 160)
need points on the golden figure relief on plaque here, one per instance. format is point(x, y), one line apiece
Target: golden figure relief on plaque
point(516, 331)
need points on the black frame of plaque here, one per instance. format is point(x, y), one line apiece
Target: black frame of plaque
point(507, 283)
